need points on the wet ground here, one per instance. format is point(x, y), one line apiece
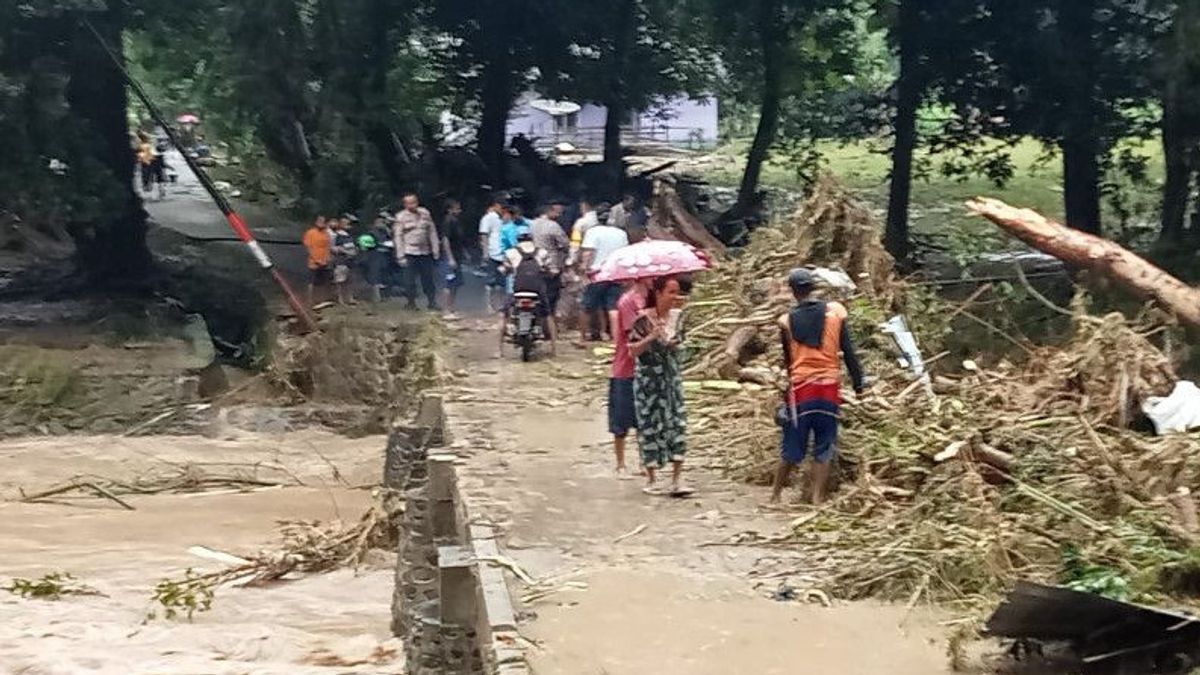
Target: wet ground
point(636, 584)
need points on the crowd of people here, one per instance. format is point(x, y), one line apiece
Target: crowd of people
point(557, 253)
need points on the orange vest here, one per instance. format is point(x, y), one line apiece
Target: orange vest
point(812, 365)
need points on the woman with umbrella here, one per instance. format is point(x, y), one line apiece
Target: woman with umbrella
point(653, 342)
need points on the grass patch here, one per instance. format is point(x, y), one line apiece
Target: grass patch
point(937, 200)
point(30, 378)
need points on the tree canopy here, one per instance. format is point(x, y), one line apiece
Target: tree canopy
point(343, 100)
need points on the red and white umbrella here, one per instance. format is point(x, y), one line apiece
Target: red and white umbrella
point(652, 258)
point(188, 118)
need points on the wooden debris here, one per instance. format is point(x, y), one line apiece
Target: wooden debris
point(953, 497)
point(630, 534)
point(1086, 251)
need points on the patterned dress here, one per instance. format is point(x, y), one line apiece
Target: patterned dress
point(658, 399)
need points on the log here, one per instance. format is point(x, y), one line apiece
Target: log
point(685, 225)
point(1087, 251)
point(736, 346)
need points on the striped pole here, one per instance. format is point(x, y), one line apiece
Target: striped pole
point(231, 216)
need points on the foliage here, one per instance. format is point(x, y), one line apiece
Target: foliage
point(1079, 575)
point(194, 593)
point(50, 586)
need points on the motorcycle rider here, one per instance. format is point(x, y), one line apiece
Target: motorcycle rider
point(528, 266)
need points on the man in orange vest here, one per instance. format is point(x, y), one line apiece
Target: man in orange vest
point(815, 341)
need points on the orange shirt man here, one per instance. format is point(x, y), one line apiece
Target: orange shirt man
point(319, 244)
point(815, 341)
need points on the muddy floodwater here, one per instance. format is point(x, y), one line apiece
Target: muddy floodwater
point(332, 623)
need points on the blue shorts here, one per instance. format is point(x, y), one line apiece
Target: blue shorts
point(449, 276)
point(621, 414)
point(818, 419)
point(601, 296)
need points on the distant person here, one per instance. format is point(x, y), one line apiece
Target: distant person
point(320, 247)
point(549, 236)
point(816, 340)
point(599, 297)
point(618, 216)
point(158, 168)
point(587, 220)
point(514, 225)
point(526, 265)
point(344, 252)
point(451, 228)
point(490, 248)
point(449, 267)
point(622, 413)
point(654, 341)
point(418, 247)
point(378, 253)
point(145, 160)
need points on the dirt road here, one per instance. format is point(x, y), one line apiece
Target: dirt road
point(638, 589)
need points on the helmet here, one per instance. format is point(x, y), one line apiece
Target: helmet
point(366, 242)
point(801, 280)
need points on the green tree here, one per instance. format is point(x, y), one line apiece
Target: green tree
point(64, 99)
point(627, 55)
point(775, 51)
point(1180, 87)
point(497, 46)
point(1071, 73)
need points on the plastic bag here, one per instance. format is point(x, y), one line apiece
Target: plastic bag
point(1178, 412)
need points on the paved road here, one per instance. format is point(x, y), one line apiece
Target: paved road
point(189, 210)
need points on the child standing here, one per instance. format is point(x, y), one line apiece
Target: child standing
point(344, 251)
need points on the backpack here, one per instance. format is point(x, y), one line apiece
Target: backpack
point(528, 276)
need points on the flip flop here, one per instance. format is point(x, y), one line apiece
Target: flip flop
point(682, 492)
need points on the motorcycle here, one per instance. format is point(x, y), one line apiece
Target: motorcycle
point(525, 327)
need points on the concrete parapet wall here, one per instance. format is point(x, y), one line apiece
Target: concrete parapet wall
point(451, 603)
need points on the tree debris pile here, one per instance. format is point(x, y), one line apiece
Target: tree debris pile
point(951, 492)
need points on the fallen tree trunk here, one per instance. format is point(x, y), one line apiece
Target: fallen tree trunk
point(682, 223)
point(1087, 251)
point(736, 346)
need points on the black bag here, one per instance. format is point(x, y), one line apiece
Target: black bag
point(528, 277)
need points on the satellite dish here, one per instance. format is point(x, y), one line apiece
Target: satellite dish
point(555, 108)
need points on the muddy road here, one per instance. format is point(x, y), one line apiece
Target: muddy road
point(638, 583)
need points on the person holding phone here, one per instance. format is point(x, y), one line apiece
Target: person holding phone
point(654, 341)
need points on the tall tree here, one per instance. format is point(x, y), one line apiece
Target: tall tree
point(1180, 88)
point(627, 55)
point(777, 52)
point(70, 105)
point(498, 45)
point(1101, 56)
point(910, 90)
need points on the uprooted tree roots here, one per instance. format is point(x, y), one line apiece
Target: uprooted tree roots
point(951, 493)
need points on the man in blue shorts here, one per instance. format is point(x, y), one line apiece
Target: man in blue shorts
point(599, 298)
point(815, 339)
